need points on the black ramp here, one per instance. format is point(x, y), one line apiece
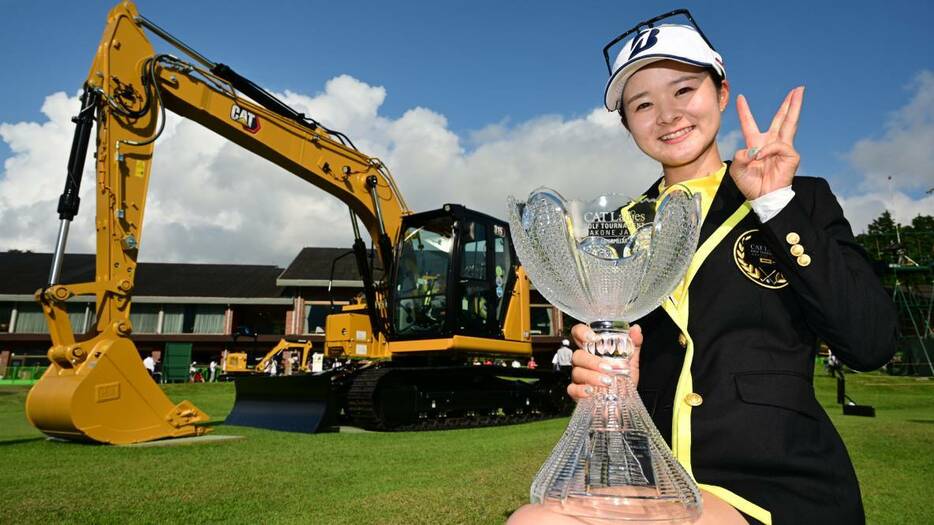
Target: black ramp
point(300, 403)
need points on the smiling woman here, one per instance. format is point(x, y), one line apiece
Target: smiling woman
point(725, 365)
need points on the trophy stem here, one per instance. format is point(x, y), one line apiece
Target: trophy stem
point(611, 341)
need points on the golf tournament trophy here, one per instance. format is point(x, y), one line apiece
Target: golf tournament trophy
point(608, 262)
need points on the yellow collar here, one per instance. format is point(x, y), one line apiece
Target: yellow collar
point(707, 186)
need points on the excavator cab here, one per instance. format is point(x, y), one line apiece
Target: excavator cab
point(454, 273)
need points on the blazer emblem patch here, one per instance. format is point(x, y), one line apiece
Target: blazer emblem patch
point(756, 261)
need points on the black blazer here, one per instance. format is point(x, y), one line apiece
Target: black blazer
point(756, 313)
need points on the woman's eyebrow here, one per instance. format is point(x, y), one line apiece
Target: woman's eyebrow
point(685, 77)
point(673, 82)
point(637, 95)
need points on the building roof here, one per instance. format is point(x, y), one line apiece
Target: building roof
point(23, 273)
point(312, 267)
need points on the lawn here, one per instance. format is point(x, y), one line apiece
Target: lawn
point(463, 476)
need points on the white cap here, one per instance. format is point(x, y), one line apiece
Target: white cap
point(665, 42)
point(565, 342)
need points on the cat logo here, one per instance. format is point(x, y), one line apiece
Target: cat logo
point(246, 118)
point(756, 261)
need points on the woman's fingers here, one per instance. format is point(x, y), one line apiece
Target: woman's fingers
point(777, 148)
point(747, 122)
point(581, 333)
point(780, 115)
point(584, 376)
point(635, 335)
point(741, 159)
point(578, 392)
point(790, 125)
point(583, 358)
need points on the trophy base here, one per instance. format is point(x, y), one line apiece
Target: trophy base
point(611, 464)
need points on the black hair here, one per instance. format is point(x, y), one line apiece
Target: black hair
point(717, 83)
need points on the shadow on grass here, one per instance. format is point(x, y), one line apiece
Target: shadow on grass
point(22, 440)
point(508, 513)
point(928, 421)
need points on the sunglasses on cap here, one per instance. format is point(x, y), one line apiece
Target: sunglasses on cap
point(648, 24)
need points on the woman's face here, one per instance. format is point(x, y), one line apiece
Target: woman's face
point(673, 111)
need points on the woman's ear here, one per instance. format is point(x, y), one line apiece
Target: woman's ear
point(622, 119)
point(724, 95)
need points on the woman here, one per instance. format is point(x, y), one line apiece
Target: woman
point(725, 365)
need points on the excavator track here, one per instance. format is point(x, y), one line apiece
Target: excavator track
point(392, 398)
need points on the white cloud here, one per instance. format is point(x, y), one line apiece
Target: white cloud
point(897, 168)
point(905, 151)
point(862, 209)
point(210, 200)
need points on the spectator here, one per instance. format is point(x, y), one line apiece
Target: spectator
point(150, 365)
point(562, 358)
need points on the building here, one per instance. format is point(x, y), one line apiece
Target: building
point(204, 304)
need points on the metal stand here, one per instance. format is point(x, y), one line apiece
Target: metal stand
point(850, 408)
point(922, 331)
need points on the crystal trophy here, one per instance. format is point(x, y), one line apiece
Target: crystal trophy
point(608, 262)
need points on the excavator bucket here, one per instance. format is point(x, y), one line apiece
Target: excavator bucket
point(108, 398)
point(299, 403)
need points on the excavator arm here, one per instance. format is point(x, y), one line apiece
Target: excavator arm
point(96, 389)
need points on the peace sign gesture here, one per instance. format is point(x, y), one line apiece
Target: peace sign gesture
point(769, 161)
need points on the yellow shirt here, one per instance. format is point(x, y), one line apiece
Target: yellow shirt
point(707, 187)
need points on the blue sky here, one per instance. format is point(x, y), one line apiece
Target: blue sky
point(480, 64)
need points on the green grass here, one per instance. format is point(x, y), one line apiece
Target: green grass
point(463, 476)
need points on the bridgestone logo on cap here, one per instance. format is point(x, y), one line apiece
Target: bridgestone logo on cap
point(639, 44)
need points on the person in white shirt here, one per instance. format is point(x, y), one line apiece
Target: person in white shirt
point(150, 365)
point(213, 368)
point(562, 358)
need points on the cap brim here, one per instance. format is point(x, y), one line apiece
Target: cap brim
point(614, 87)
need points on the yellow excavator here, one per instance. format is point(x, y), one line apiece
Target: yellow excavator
point(236, 363)
point(450, 287)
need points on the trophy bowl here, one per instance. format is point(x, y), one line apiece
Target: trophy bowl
point(608, 262)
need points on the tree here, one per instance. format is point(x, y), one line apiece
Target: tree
point(888, 241)
point(884, 224)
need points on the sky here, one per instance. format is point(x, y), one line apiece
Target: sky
point(467, 102)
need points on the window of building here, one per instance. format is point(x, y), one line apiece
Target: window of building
point(208, 319)
point(315, 316)
point(6, 316)
point(543, 319)
point(29, 318)
point(145, 318)
point(193, 319)
point(173, 318)
point(261, 318)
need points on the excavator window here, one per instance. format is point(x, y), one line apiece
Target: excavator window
point(425, 255)
point(502, 260)
point(475, 297)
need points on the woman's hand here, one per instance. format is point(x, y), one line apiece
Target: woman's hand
point(769, 161)
point(591, 371)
